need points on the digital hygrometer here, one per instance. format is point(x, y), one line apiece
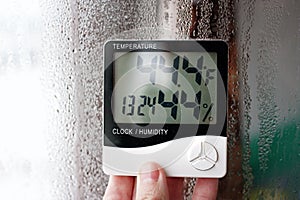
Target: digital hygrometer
point(165, 101)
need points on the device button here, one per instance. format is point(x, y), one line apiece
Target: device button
point(203, 156)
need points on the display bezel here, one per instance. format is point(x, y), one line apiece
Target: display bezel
point(123, 140)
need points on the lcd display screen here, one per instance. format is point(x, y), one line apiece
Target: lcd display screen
point(161, 87)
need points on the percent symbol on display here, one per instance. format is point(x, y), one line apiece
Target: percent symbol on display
point(207, 112)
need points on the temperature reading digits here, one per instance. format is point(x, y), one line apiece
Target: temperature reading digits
point(158, 62)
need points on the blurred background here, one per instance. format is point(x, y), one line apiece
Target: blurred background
point(51, 90)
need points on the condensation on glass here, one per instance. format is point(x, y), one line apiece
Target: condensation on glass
point(268, 35)
point(51, 90)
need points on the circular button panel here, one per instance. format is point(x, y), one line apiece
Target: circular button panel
point(203, 156)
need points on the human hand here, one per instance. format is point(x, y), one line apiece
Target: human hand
point(151, 183)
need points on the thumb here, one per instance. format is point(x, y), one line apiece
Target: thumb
point(151, 183)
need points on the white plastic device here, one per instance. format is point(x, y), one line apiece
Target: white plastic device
point(166, 102)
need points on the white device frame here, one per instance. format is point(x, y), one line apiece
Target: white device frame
point(181, 157)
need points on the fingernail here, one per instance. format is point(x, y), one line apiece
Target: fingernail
point(149, 172)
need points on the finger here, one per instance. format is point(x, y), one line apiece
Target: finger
point(205, 189)
point(175, 186)
point(119, 187)
point(151, 183)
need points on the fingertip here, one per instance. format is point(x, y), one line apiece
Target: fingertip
point(175, 187)
point(206, 188)
point(151, 182)
point(119, 187)
point(149, 172)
